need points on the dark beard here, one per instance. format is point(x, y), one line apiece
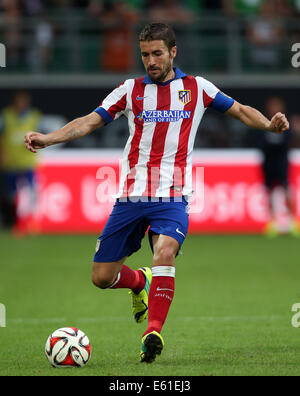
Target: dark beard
point(163, 75)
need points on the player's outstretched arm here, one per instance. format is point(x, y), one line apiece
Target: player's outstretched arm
point(73, 130)
point(255, 119)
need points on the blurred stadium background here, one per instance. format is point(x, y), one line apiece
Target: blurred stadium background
point(67, 55)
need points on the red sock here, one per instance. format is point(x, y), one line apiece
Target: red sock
point(160, 297)
point(130, 279)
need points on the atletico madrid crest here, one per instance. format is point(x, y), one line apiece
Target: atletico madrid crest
point(185, 96)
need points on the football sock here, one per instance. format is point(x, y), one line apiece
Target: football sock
point(128, 278)
point(160, 297)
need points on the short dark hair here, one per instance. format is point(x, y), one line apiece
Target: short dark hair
point(159, 31)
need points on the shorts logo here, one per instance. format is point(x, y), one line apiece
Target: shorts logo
point(179, 232)
point(98, 245)
point(185, 96)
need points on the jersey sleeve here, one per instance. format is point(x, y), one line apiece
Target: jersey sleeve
point(213, 97)
point(114, 105)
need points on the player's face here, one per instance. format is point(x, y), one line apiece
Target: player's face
point(158, 60)
point(21, 102)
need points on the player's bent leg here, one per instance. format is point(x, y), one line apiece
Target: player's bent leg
point(116, 275)
point(104, 274)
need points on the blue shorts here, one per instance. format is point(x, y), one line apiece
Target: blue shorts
point(13, 180)
point(129, 221)
point(276, 169)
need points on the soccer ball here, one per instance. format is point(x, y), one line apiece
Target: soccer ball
point(68, 347)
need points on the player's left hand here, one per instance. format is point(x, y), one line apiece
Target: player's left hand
point(279, 123)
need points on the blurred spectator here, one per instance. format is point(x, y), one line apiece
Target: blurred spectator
point(32, 7)
point(200, 7)
point(213, 131)
point(137, 4)
point(39, 54)
point(176, 13)
point(26, 47)
point(266, 35)
point(295, 126)
point(275, 149)
point(294, 31)
point(118, 19)
point(17, 163)
point(296, 7)
point(169, 11)
point(243, 7)
point(12, 36)
point(216, 5)
point(283, 8)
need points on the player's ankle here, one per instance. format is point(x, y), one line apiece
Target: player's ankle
point(154, 325)
point(141, 283)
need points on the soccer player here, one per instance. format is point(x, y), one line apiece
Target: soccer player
point(275, 150)
point(164, 109)
point(17, 164)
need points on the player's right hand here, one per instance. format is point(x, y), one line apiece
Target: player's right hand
point(279, 123)
point(35, 141)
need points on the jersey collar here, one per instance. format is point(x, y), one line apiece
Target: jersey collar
point(178, 74)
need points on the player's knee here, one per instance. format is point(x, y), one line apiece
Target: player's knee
point(102, 279)
point(102, 283)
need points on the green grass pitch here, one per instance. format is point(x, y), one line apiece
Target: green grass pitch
point(231, 314)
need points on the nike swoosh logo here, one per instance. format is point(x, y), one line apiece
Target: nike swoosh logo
point(160, 289)
point(141, 97)
point(179, 232)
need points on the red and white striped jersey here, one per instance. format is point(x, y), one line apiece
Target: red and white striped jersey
point(163, 119)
